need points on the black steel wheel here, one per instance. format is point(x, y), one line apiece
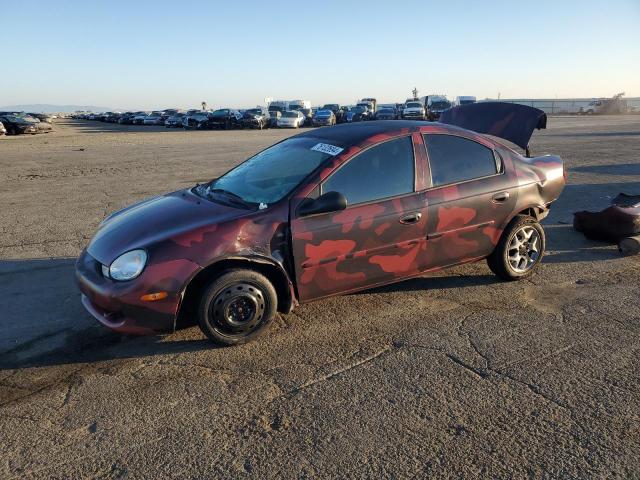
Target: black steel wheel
point(237, 306)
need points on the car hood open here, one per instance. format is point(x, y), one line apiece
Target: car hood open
point(156, 219)
point(510, 121)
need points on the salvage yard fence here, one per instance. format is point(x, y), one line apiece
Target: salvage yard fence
point(567, 105)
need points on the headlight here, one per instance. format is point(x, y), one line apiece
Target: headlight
point(128, 265)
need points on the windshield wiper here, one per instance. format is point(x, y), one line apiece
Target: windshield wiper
point(233, 196)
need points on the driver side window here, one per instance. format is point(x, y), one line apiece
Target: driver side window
point(383, 171)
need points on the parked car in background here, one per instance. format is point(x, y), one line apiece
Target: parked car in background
point(274, 116)
point(337, 110)
point(225, 118)
point(414, 110)
point(291, 119)
point(436, 104)
point(16, 125)
point(197, 121)
point(114, 117)
point(386, 113)
point(169, 112)
point(43, 117)
point(323, 118)
point(139, 118)
point(359, 113)
point(464, 100)
point(308, 116)
point(154, 118)
point(174, 121)
point(42, 127)
point(255, 118)
point(127, 118)
point(3, 130)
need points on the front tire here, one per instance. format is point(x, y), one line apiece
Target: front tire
point(236, 307)
point(519, 250)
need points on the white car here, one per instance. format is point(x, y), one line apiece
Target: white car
point(464, 100)
point(414, 111)
point(291, 119)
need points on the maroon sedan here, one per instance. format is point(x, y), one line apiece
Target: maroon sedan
point(326, 212)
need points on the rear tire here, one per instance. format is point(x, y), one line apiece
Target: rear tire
point(519, 250)
point(236, 307)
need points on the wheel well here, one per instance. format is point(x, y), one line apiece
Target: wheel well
point(194, 289)
point(530, 212)
point(539, 213)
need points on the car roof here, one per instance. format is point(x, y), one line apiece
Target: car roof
point(348, 134)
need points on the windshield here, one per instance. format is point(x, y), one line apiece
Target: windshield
point(290, 114)
point(440, 105)
point(358, 109)
point(220, 113)
point(331, 106)
point(414, 105)
point(271, 174)
point(385, 110)
point(466, 102)
point(13, 118)
point(324, 113)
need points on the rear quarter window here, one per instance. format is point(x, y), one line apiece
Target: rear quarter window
point(456, 159)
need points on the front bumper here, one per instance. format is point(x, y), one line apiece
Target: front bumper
point(118, 305)
point(28, 129)
point(252, 123)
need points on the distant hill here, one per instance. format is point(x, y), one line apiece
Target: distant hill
point(46, 108)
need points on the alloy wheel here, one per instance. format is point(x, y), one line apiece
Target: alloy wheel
point(523, 251)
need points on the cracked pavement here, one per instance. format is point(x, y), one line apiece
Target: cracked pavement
point(456, 375)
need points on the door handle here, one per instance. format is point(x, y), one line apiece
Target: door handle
point(500, 197)
point(410, 218)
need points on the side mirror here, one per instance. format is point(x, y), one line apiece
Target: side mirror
point(327, 202)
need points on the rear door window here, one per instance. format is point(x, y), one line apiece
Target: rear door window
point(456, 159)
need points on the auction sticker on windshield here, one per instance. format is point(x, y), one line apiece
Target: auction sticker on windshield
point(326, 148)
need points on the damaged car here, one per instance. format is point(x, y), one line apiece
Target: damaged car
point(225, 118)
point(16, 125)
point(326, 212)
point(255, 118)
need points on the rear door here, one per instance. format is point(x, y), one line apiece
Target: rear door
point(378, 238)
point(470, 200)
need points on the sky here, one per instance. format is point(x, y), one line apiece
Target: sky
point(161, 54)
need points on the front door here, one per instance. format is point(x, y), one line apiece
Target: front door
point(379, 237)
